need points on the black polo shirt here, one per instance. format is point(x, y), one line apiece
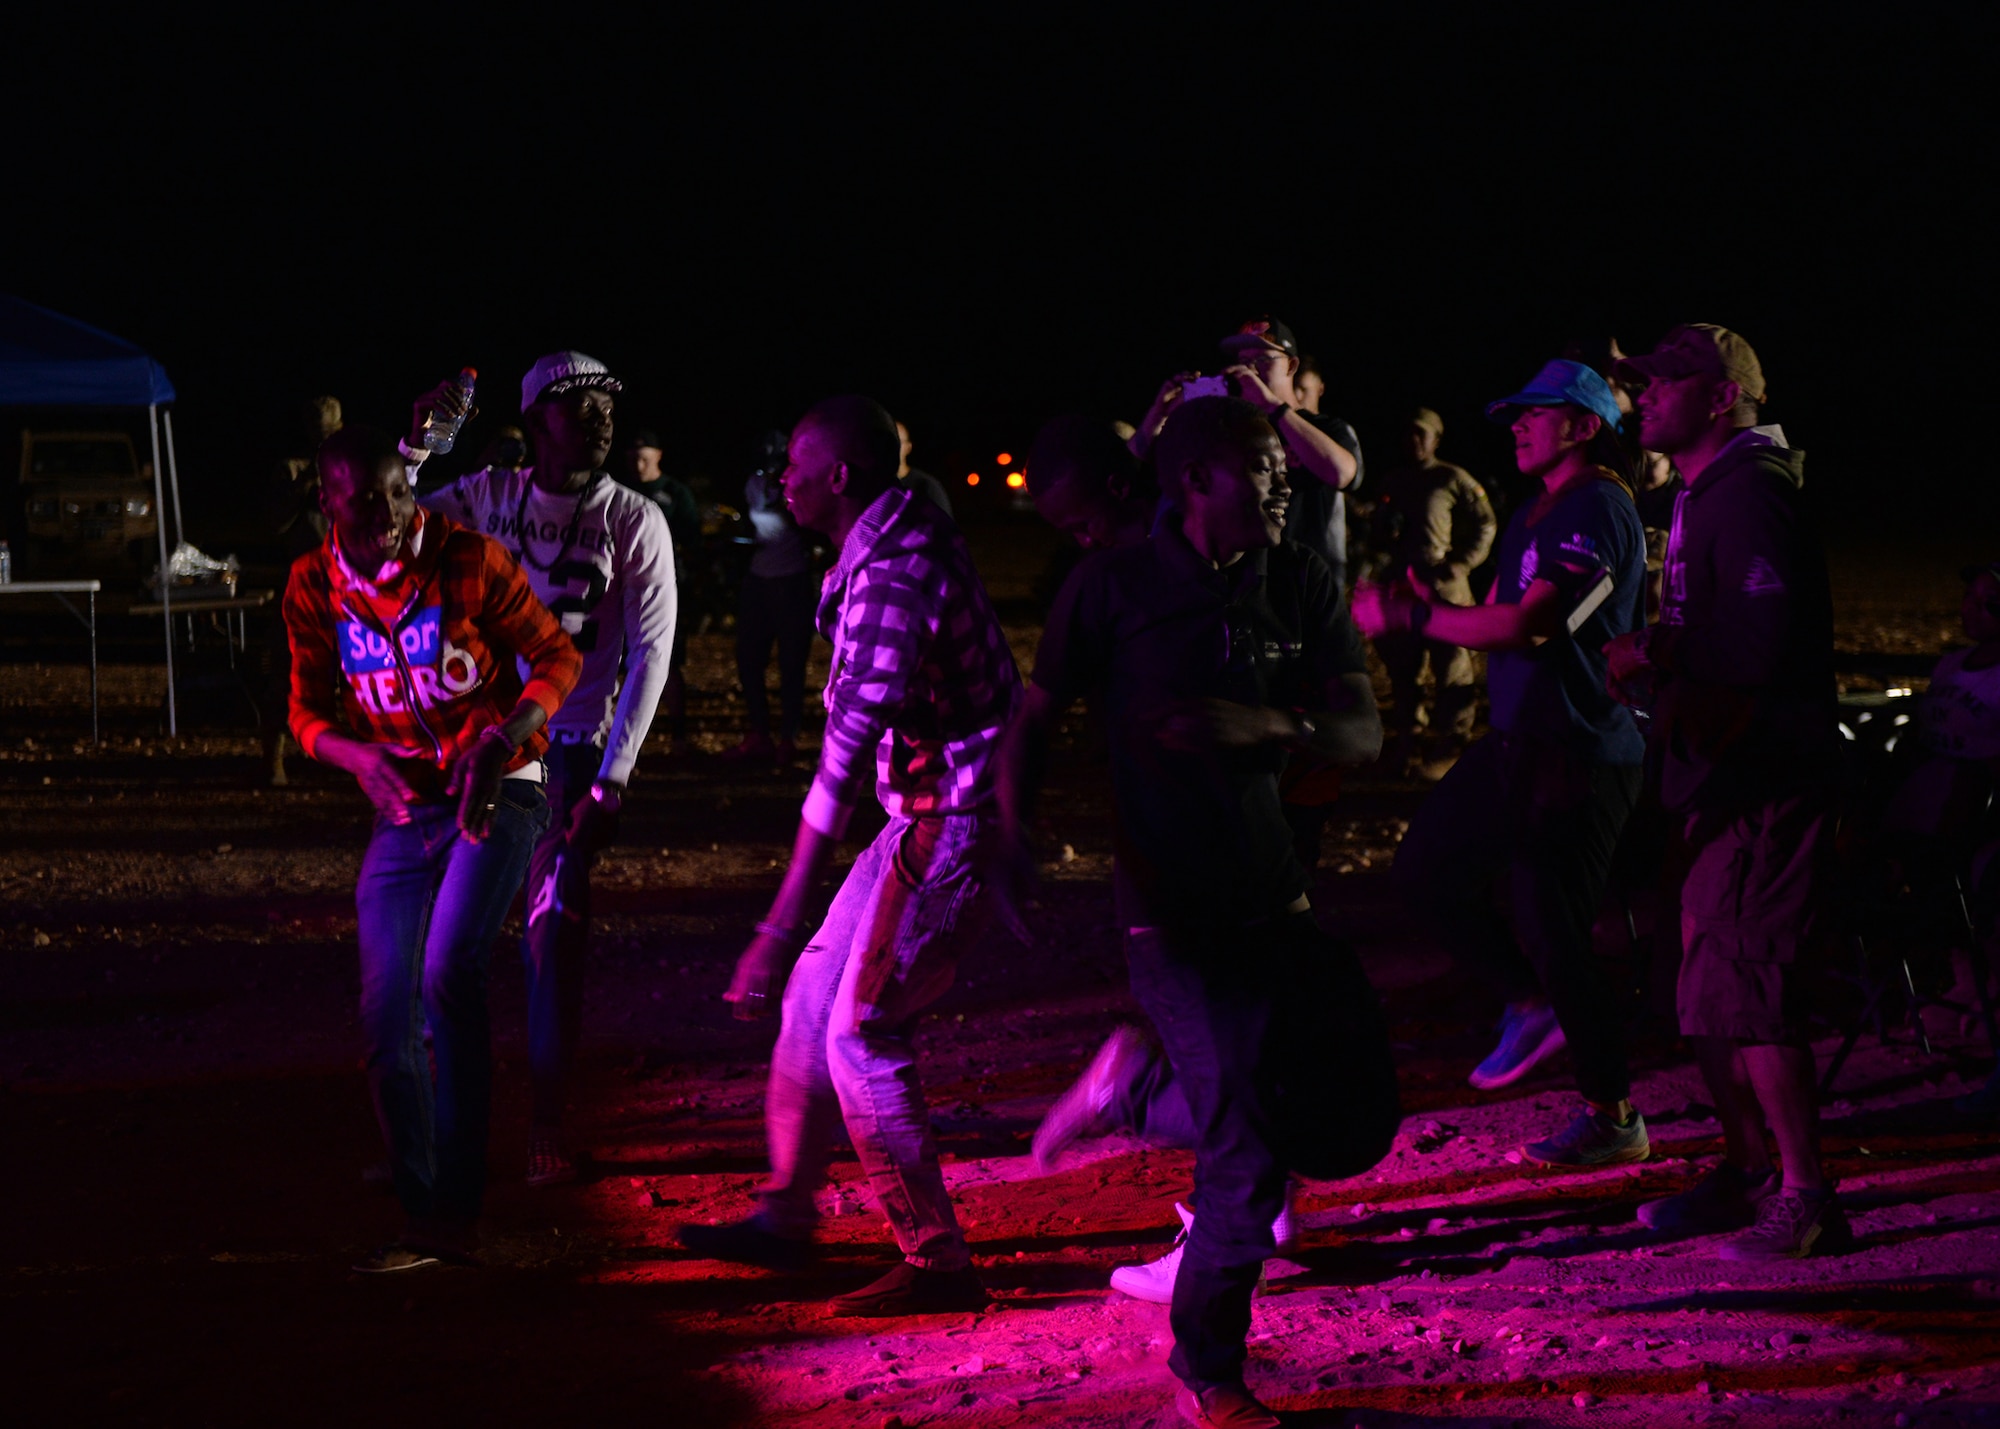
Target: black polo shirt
point(1201, 838)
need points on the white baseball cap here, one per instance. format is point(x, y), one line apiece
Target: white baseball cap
point(562, 371)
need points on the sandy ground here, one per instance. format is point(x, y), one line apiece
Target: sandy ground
point(185, 1129)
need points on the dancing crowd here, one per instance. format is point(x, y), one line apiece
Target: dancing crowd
point(486, 657)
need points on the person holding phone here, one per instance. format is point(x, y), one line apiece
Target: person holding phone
point(600, 556)
point(1540, 801)
point(1261, 364)
point(410, 635)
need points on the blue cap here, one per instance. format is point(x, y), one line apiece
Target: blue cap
point(1561, 383)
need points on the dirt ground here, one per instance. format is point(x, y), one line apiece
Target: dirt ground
point(186, 1127)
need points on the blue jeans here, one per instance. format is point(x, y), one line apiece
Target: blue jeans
point(430, 904)
point(889, 948)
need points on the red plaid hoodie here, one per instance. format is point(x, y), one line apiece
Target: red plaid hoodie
point(461, 612)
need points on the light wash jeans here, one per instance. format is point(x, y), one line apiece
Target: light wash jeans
point(889, 948)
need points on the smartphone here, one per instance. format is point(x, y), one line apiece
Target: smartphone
point(1205, 387)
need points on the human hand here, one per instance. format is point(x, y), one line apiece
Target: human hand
point(593, 823)
point(1421, 588)
point(1198, 725)
point(441, 404)
point(761, 974)
point(1383, 609)
point(1627, 656)
point(1252, 388)
point(378, 768)
point(1164, 401)
point(474, 780)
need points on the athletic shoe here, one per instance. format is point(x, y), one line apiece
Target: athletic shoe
point(1527, 1039)
point(392, 1258)
point(1088, 1108)
point(747, 1243)
point(1154, 1281)
point(547, 1166)
point(1792, 1225)
point(1726, 1199)
point(1225, 1406)
point(913, 1290)
point(1593, 1139)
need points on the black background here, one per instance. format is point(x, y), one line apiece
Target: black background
point(987, 215)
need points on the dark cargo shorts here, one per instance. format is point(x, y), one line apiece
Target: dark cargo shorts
point(1748, 907)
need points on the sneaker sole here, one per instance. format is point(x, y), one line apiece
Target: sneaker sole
point(1143, 1290)
point(1623, 1158)
point(1551, 1044)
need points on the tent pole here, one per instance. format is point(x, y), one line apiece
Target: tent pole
point(166, 574)
point(174, 477)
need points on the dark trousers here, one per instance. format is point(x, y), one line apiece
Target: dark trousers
point(775, 609)
point(430, 903)
point(1543, 823)
point(1215, 1010)
point(556, 946)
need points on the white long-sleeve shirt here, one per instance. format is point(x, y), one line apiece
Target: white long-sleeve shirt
point(602, 560)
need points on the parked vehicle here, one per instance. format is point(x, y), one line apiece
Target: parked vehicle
point(89, 503)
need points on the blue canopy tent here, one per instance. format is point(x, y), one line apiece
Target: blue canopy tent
point(48, 360)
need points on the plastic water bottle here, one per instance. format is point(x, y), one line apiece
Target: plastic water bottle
point(440, 435)
point(6, 563)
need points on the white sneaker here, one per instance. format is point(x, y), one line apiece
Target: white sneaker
point(1154, 1281)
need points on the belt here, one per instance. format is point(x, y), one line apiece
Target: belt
point(535, 770)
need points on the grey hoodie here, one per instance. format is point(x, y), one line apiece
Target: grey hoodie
point(1745, 636)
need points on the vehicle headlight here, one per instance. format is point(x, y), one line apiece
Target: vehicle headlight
point(137, 507)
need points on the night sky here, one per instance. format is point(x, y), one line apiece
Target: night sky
point(985, 216)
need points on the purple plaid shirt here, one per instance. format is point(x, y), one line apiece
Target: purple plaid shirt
point(923, 683)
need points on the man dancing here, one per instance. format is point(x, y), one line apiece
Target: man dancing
point(601, 557)
point(921, 689)
point(407, 628)
point(1539, 803)
point(1217, 650)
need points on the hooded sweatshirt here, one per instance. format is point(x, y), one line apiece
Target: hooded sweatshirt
point(922, 684)
point(1744, 643)
point(422, 656)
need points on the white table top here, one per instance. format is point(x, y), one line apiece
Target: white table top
point(49, 587)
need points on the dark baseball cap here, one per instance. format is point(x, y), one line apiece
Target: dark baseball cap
point(1562, 383)
point(1698, 347)
point(1265, 331)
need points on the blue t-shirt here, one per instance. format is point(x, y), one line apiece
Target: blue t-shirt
point(1555, 691)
